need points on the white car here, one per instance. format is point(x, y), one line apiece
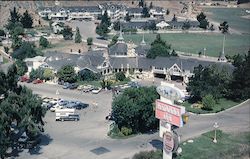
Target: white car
point(56, 107)
point(96, 90)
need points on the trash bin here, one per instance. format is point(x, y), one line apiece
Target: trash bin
point(185, 118)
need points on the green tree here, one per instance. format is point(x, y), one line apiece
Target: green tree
point(117, 25)
point(208, 102)
point(14, 18)
point(26, 50)
point(43, 42)
point(37, 74)
point(21, 67)
point(48, 74)
point(224, 27)
point(67, 33)
point(186, 25)
point(134, 109)
point(78, 37)
point(148, 155)
point(239, 87)
point(113, 41)
point(159, 48)
point(26, 20)
point(141, 3)
point(6, 49)
point(174, 53)
point(167, 12)
point(88, 75)
point(145, 11)
point(174, 19)
point(203, 21)
point(127, 17)
point(103, 28)
point(2, 32)
point(151, 5)
point(90, 41)
point(120, 76)
point(67, 74)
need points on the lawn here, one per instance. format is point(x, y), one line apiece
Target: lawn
point(193, 43)
point(227, 147)
point(5, 60)
point(220, 106)
point(235, 20)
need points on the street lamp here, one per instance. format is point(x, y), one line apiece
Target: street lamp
point(215, 128)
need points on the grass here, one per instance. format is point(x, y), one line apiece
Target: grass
point(227, 146)
point(220, 106)
point(235, 20)
point(5, 60)
point(195, 42)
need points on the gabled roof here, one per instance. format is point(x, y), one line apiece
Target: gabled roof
point(134, 10)
point(120, 48)
point(118, 62)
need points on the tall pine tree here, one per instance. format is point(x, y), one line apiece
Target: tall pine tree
point(26, 20)
point(78, 37)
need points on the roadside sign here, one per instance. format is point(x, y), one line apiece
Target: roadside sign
point(168, 142)
point(170, 92)
point(169, 113)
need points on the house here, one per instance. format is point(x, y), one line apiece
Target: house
point(157, 12)
point(57, 27)
point(135, 12)
point(114, 10)
point(120, 48)
point(34, 63)
point(162, 25)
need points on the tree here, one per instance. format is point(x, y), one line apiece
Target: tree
point(43, 42)
point(67, 74)
point(2, 32)
point(6, 49)
point(135, 109)
point(20, 111)
point(67, 33)
point(103, 28)
point(186, 25)
point(127, 17)
point(167, 12)
point(78, 37)
point(174, 19)
point(14, 18)
point(90, 41)
point(26, 20)
point(174, 53)
point(239, 87)
point(37, 74)
point(120, 76)
point(152, 26)
point(151, 5)
point(145, 11)
point(117, 25)
point(21, 67)
point(148, 155)
point(224, 27)
point(211, 27)
point(88, 75)
point(203, 21)
point(208, 102)
point(208, 80)
point(48, 74)
point(26, 50)
point(159, 48)
point(113, 41)
point(141, 3)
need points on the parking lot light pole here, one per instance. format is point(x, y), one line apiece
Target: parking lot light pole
point(215, 128)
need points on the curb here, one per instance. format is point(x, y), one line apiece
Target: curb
point(209, 114)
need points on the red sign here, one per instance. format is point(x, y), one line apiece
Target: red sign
point(168, 113)
point(168, 142)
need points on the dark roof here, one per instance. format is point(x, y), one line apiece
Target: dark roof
point(120, 48)
point(158, 9)
point(112, 6)
point(118, 62)
point(135, 25)
point(90, 60)
point(184, 63)
point(84, 9)
point(180, 23)
point(134, 10)
point(142, 50)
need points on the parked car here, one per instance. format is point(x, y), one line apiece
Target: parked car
point(29, 80)
point(37, 81)
point(96, 90)
point(55, 107)
point(66, 85)
point(73, 86)
point(70, 117)
point(63, 102)
point(80, 87)
point(23, 79)
point(88, 88)
point(60, 82)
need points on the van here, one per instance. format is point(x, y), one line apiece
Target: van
point(61, 114)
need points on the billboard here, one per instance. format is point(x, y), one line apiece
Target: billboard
point(169, 113)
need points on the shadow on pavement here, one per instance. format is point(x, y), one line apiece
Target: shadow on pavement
point(45, 140)
point(156, 144)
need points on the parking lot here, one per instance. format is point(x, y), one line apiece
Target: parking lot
point(86, 138)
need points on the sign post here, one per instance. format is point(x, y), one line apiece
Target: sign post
point(169, 114)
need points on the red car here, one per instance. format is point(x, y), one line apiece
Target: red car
point(24, 79)
point(37, 81)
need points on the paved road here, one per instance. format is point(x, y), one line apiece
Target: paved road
point(74, 139)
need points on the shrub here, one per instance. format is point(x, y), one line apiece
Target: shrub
point(126, 131)
point(120, 76)
point(43, 42)
point(208, 102)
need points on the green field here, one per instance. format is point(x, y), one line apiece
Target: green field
point(232, 15)
point(227, 147)
point(193, 43)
